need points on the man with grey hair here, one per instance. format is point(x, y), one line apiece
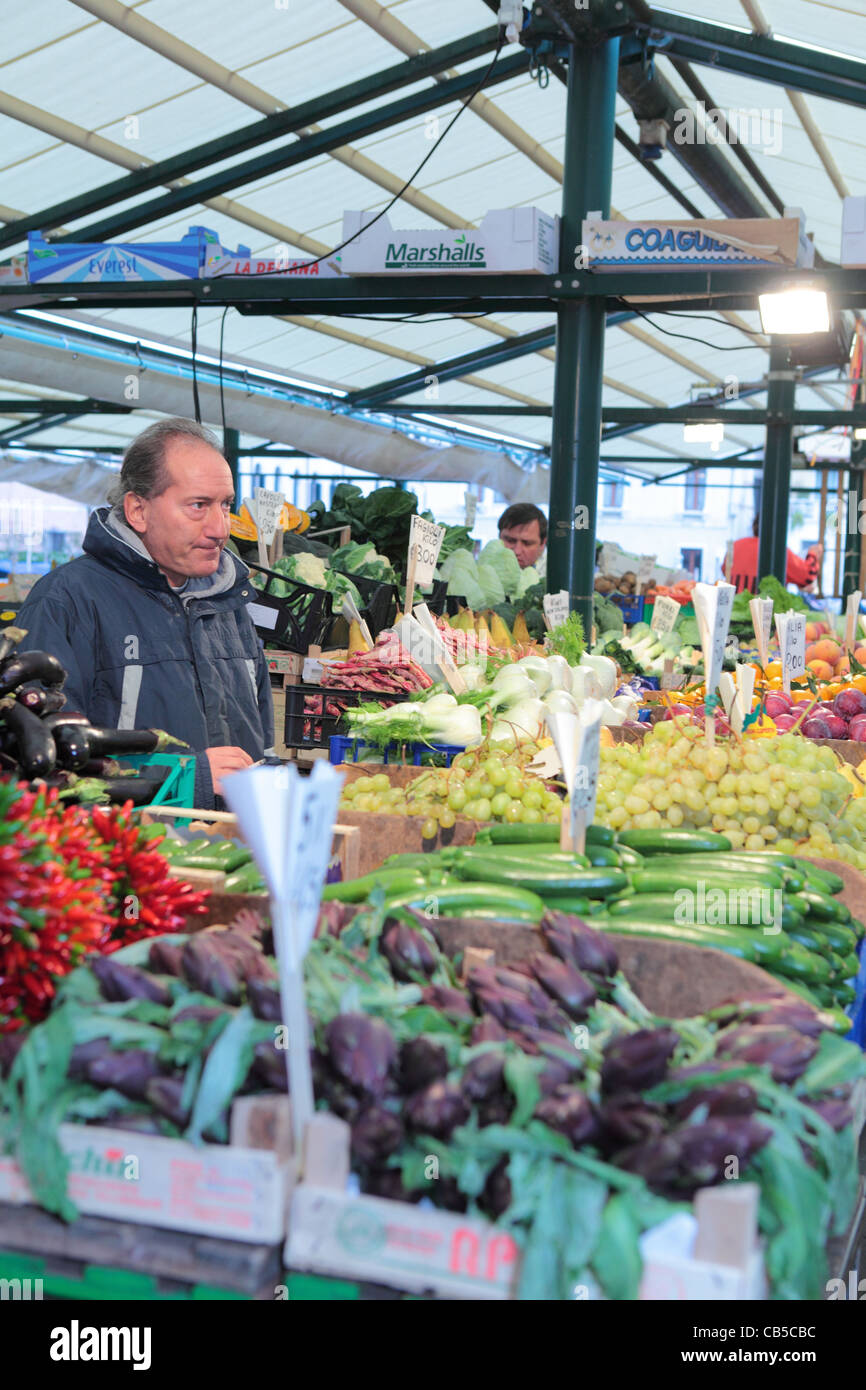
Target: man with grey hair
point(151, 622)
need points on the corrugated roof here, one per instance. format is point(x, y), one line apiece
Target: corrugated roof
point(100, 101)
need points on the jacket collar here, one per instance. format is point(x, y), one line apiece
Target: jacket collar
point(111, 541)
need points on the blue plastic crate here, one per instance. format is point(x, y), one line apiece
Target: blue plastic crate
point(630, 607)
point(857, 1011)
point(341, 746)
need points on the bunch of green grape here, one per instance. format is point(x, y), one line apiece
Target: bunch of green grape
point(481, 785)
point(765, 793)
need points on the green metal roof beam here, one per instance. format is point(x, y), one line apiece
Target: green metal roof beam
point(300, 150)
point(756, 55)
point(319, 109)
point(70, 408)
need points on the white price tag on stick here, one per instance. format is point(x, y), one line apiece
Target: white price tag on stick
point(268, 508)
point(578, 740)
point(556, 607)
point(761, 610)
point(288, 820)
point(425, 541)
point(713, 609)
point(791, 631)
point(665, 613)
point(470, 502)
point(852, 610)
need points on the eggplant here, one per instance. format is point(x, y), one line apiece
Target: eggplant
point(31, 666)
point(62, 717)
point(73, 747)
point(34, 743)
point(40, 700)
point(116, 742)
point(10, 638)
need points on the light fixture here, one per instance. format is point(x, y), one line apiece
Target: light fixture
point(795, 311)
point(860, 432)
point(709, 432)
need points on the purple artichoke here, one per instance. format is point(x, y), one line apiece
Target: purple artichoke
point(787, 1053)
point(484, 1076)
point(569, 1112)
point(376, 1134)
point(437, 1110)
point(638, 1061)
point(421, 1061)
point(209, 969)
point(407, 952)
point(129, 1072)
point(488, 1029)
point(165, 1095)
point(166, 958)
point(118, 981)
point(582, 946)
point(451, 1002)
point(629, 1119)
point(496, 1197)
point(564, 983)
point(837, 1113)
point(265, 1000)
point(727, 1098)
point(362, 1051)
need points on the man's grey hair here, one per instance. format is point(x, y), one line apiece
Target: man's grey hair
point(143, 470)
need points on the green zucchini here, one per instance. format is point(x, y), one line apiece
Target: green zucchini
point(525, 854)
point(554, 881)
point(220, 854)
point(540, 832)
point(358, 890)
point(577, 906)
point(740, 943)
point(833, 882)
point(245, 880)
point(603, 857)
point(466, 899)
point(838, 935)
point(822, 905)
point(664, 905)
point(802, 964)
point(672, 841)
point(629, 858)
point(727, 868)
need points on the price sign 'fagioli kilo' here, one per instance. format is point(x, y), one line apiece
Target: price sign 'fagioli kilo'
point(425, 542)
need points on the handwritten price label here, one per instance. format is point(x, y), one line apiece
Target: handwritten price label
point(665, 613)
point(791, 630)
point(556, 607)
point(645, 570)
point(425, 542)
point(268, 508)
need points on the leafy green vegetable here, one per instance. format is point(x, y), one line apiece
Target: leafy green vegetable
point(567, 639)
point(783, 601)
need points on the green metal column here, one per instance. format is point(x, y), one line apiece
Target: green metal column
point(577, 386)
point(777, 463)
point(231, 445)
point(854, 517)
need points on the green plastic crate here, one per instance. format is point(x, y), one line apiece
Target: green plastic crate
point(178, 789)
point(99, 1283)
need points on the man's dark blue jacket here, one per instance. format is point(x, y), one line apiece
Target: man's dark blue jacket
point(142, 656)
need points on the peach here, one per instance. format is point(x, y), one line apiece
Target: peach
point(825, 650)
point(842, 667)
point(821, 670)
point(860, 655)
point(813, 632)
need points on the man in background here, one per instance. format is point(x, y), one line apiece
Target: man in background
point(523, 528)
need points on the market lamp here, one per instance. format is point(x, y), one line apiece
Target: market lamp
point(710, 432)
point(797, 310)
